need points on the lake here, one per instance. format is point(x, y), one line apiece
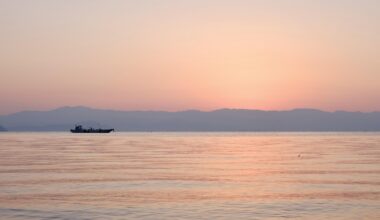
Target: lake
point(58, 175)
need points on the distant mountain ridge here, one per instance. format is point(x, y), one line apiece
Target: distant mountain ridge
point(62, 119)
point(2, 128)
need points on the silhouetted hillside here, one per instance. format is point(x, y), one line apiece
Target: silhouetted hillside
point(62, 119)
point(2, 128)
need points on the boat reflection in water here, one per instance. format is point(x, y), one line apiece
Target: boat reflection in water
point(80, 129)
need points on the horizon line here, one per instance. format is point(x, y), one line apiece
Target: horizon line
point(187, 110)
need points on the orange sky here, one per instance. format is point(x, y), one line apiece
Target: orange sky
point(177, 55)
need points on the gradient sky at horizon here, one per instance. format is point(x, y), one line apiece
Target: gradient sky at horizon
point(195, 54)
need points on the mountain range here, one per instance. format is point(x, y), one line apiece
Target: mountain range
point(62, 119)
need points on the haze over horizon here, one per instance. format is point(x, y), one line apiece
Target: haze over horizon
point(301, 120)
point(180, 110)
point(177, 55)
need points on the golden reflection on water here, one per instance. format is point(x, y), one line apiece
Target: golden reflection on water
point(190, 175)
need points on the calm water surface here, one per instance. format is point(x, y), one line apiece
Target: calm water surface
point(190, 176)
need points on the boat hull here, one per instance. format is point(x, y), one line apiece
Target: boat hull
point(92, 131)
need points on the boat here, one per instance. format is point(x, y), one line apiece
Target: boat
point(80, 129)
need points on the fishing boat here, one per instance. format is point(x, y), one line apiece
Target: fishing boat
point(80, 129)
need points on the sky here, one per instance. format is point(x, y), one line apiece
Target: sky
point(190, 54)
